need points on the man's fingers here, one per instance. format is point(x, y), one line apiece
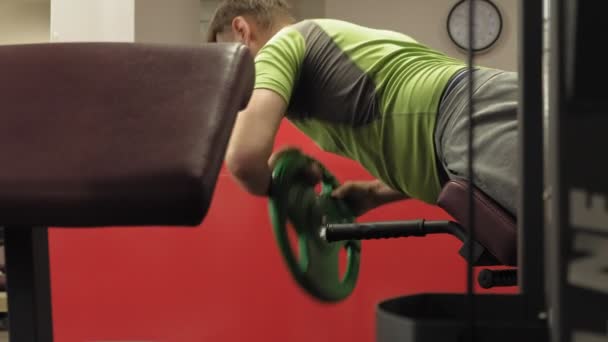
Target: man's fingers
point(342, 191)
point(338, 192)
point(315, 173)
point(278, 153)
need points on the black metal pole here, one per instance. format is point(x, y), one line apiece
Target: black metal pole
point(530, 220)
point(28, 284)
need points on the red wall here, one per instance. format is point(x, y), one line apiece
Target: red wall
point(225, 280)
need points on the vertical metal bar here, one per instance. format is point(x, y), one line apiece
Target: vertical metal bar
point(28, 284)
point(554, 255)
point(531, 184)
point(470, 161)
point(556, 258)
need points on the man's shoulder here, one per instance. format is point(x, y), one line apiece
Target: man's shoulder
point(345, 30)
point(327, 24)
point(297, 36)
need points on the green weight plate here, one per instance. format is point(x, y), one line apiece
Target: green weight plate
point(295, 201)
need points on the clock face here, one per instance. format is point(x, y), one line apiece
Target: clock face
point(486, 29)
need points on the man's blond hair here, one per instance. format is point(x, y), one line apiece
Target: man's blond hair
point(264, 12)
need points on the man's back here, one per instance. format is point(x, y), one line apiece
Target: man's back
point(369, 95)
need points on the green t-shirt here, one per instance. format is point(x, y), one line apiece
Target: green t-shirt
point(366, 94)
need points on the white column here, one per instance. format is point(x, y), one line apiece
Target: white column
point(92, 20)
point(151, 21)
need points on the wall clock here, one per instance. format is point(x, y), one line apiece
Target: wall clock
point(487, 28)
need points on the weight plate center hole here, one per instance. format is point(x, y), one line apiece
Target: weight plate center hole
point(318, 188)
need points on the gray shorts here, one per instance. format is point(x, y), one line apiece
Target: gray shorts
point(495, 143)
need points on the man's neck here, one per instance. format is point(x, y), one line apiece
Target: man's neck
point(279, 26)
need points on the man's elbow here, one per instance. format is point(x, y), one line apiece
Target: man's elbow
point(248, 173)
point(239, 166)
point(240, 169)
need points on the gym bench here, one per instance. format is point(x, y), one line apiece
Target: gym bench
point(106, 134)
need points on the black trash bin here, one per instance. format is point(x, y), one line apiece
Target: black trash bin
point(444, 318)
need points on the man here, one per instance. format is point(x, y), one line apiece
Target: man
point(379, 97)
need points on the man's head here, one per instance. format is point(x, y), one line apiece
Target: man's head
point(251, 22)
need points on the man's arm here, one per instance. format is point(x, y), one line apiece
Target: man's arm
point(385, 194)
point(252, 141)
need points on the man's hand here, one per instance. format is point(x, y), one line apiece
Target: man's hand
point(363, 196)
point(311, 175)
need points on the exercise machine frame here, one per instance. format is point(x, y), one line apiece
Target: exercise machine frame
point(563, 263)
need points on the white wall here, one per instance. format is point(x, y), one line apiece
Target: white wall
point(92, 20)
point(24, 21)
point(309, 8)
point(425, 21)
point(164, 21)
point(207, 9)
